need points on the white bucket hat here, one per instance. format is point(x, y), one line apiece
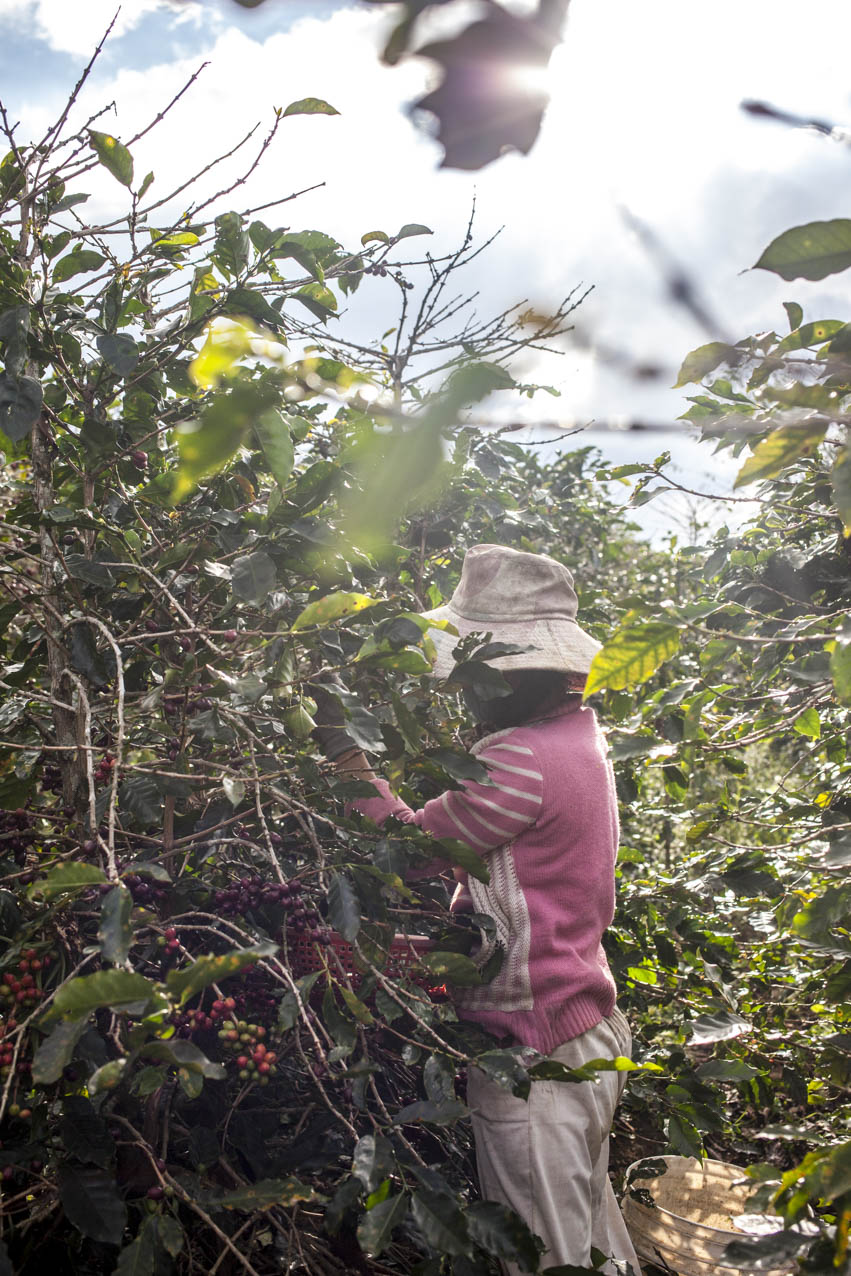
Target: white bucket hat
point(524, 599)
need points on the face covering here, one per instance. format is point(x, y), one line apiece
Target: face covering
point(531, 689)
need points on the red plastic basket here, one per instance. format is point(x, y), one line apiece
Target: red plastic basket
point(306, 955)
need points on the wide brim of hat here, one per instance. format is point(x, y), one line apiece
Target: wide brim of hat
point(550, 643)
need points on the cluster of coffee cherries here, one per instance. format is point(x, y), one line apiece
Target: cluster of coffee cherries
point(17, 827)
point(254, 1061)
point(383, 272)
point(249, 893)
point(199, 700)
point(196, 1019)
point(143, 891)
point(7, 1049)
point(10, 1173)
point(168, 940)
point(103, 774)
point(256, 1001)
point(21, 985)
point(51, 779)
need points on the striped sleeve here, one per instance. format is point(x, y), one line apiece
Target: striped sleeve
point(483, 816)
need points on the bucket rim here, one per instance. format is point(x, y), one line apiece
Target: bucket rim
point(684, 1160)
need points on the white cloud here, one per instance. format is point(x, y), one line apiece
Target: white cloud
point(645, 112)
point(75, 28)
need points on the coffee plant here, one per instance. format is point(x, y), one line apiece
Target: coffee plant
point(227, 1040)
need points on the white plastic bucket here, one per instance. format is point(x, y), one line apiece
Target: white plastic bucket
point(693, 1222)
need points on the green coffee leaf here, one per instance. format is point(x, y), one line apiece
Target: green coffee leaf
point(78, 262)
point(169, 1234)
point(632, 655)
point(412, 228)
point(92, 1203)
point(107, 1077)
point(85, 1134)
point(840, 664)
point(840, 478)
point(766, 1253)
point(66, 877)
point(717, 1027)
point(794, 313)
point(376, 1226)
point(119, 351)
point(373, 1160)
point(273, 435)
point(89, 570)
point(253, 576)
point(439, 1078)
point(253, 305)
point(116, 934)
point(330, 608)
point(441, 1222)
point(780, 449)
point(184, 1054)
point(726, 1070)
point(811, 334)
point(139, 1258)
point(696, 365)
point(310, 106)
point(462, 855)
point(206, 444)
point(189, 980)
point(343, 907)
point(455, 968)
point(56, 1051)
point(683, 1137)
point(263, 1195)
point(811, 251)
point(121, 990)
point(501, 1233)
point(808, 724)
point(21, 401)
point(318, 299)
point(114, 157)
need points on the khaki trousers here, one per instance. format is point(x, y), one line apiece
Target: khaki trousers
point(547, 1157)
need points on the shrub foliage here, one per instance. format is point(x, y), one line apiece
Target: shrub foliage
point(215, 1051)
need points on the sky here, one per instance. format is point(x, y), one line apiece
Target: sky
point(645, 116)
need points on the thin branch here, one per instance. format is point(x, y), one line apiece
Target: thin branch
point(112, 868)
point(87, 727)
point(164, 112)
point(43, 148)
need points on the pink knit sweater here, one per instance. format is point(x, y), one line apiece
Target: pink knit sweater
point(547, 826)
